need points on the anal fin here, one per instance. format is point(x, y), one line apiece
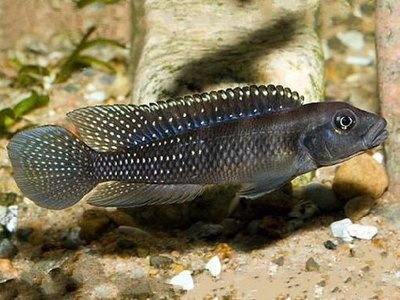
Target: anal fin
point(127, 194)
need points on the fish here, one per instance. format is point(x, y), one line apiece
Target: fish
point(260, 137)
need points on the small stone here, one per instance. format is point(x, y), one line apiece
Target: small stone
point(205, 231)
point(279, 261)
point(138, 273)
point(353, 178)
point(3, 232)
point(312, 265)
point(8, 199)
point(338, 229)
point(71, 240)
point(7, 249)
point(323, 197)
point(24, 233)
point(121, 218)
point(214, 266)
point(359, 60)
point(183, 280)
point(142, 251)
point(353, 39)
point(224, 251)
point(93, 223)
point(358, 207)
point(160, 262)
point(54, 283)
point(274, 226)
point(8, 217)
point(135, 235)
point(7, 271)
point(363, 232)
point(330, 245)
point(142, 290)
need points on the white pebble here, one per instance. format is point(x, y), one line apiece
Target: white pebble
point(8, 217)
point(378, 157)
point(363, 232)
point(338, 229)
point(184, 279)
point(359, 60)
point(214, 266)
point(353, 39)
point(397, 274)
point(97, 96)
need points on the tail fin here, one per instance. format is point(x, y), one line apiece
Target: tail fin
point(51, 166)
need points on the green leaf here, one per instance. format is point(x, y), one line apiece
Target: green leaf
point(30, 74)
point(7, 119)
point(83, 3)
point(95, 63)
point(102, 42)
point(28, 104)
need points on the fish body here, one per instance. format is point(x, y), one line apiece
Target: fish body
point(257, 136)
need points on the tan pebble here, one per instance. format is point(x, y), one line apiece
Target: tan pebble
point(398, 253)
point(358, 207)
point(377, 242)
point(153, 272)
point(224, 251)
point(7, 270)
point(177, 268)
point(121, 218)
point(312, 265)
point(175, 254)
point(361, 175)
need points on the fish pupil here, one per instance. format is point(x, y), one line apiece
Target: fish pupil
point(344, 122)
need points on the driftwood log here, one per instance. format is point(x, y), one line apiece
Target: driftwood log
point(187, 46)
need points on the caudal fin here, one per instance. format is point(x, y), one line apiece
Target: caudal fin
point(51, 166)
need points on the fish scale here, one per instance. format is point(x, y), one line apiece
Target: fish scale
point(167, 152)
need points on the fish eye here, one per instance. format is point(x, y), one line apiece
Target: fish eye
point(344, 121)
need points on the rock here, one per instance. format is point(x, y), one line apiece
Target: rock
point(358, 207)
point(184, 280)
point(323, 197)
point(3, 232)
point(7, 249)
point(353, 178)
point(363, 232)
point(330, 245)
point(231, 227)
point(205, 231)
point(353, 39)
point(160, 262)
point(7, 271)
point(142, 290)
point(93, 223)
point(71, 240)
point(9, 290)
point(8, 217)
point(8, 199)
point(279, 261)
point(274, 226)
point(214, 266)
point(338, 229)
point(54, 283)
point(121, 218)
point(135, 235)
point(24, 233)
point(312, 265)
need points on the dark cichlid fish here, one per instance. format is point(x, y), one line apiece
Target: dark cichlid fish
point(166, 152)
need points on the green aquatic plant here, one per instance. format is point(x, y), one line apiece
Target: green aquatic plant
point(83, 3)
point(76, 60)
point(11, 115)
point(29, 75)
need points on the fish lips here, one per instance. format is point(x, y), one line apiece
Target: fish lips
point(376, 135)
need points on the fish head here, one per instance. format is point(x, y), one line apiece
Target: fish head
point(339, 131)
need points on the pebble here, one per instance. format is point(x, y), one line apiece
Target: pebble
point(184, 280)
point(312, 265)
point(54, 283)
point(92, 224)
point(134, 234)
point(7, 249)
point(359, 60)
point(8, 217)
point(378, 156)
point(363, 232)
point(160, 262)
point(338, 229)
point(330, 245)
point(353, 39)
point(24, 233)
point(71, 240)
point(201, 230)
point(323, 197)
point(3, 232)
point(7, 270)
point(358, 207)
point(214, 266)
point(353, 178)
point(274, 226)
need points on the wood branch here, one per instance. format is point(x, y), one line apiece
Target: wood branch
point(388, 47)
point(199, 45)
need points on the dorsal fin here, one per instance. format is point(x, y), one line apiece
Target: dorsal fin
point(115, 127)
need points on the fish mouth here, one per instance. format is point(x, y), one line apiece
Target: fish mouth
point(376, 135)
